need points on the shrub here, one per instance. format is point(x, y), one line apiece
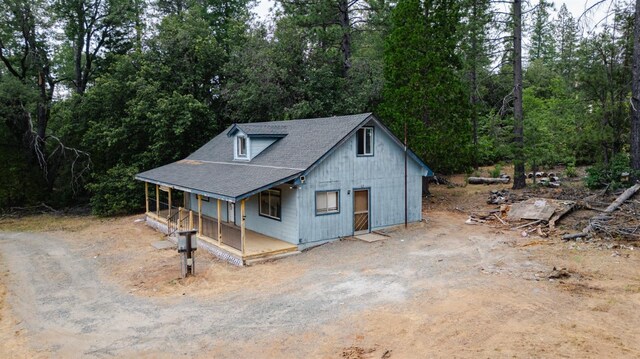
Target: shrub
point(496, 171)
point(601, 175)
point(116, 192)
point(571, 171)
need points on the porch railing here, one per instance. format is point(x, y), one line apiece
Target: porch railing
point(180, 219)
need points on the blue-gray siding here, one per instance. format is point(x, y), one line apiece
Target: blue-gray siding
point(286, 229)
point(382, 173)
point(260, 144)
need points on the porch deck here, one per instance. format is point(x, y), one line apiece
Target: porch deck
point(257, 245)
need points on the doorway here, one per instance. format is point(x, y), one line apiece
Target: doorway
point(360, 211)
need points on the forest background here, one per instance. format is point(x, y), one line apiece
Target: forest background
point(94, 91)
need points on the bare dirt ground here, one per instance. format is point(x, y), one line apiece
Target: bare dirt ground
point(88, 287)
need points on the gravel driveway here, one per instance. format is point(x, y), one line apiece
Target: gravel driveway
point(61, 300)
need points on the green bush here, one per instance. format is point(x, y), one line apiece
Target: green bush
point(602, 175)
point(496, 171)
point(571, 171)
point(116, 192)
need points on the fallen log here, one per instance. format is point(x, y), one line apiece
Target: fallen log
point(486, 180)
point(594, 221)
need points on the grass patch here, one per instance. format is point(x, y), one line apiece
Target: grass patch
point(45, 223)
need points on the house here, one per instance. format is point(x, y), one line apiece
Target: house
point(267, 189)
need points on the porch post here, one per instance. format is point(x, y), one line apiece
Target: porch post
point(146, 197)
point(190, 220)
point(219, 225)
point(169, 201)
point(200, 214)
point(242, 231)
point(158, 201)
point(179, 217)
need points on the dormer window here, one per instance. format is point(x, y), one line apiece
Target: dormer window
point(241, 147)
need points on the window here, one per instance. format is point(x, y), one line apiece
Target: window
point(241, 147)
point(327, 202)
point(270, 203)
point(365, 141)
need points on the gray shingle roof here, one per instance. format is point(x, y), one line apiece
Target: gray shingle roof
point(211, 169)
point(262, 128)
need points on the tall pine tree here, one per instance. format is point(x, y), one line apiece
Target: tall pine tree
point(423, 86)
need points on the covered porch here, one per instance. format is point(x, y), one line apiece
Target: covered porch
point(171, 211)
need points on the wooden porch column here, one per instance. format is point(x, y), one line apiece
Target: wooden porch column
point(219, 225)
point(146, 196)
point(158, 201)
point(200, 214)
point(179, 217)
point(242, 231)
point(190, 220)
point(169, 192)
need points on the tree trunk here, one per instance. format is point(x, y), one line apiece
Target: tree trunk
point(345, 45)
point(518, 128)
point(79, 47)
point(474, 83)
point(635, 93)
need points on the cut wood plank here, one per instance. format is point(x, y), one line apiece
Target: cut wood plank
point(500, 219)
point(526, 225)
point(569, 206)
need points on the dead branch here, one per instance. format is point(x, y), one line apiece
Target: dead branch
point(80, 160)
point(597, 222)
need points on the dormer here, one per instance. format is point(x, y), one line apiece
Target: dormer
point(250, 139)
point(241, 147)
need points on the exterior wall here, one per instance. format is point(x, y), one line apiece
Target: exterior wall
point(209, 208)
point(382, 174)
point(286, 228)
point(259, 144)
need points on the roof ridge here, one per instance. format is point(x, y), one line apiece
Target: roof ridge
point(364, 114)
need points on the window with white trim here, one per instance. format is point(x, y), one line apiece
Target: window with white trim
point(364, 139)
point(327, 202)
point(270, 205)
point(241, 147)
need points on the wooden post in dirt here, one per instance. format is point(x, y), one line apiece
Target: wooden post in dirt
point(200, 214)
point(158, 201)
point(146, 197)
point(242, 230)
point(219, 225)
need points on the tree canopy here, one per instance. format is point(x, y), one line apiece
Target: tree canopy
point(92, 92)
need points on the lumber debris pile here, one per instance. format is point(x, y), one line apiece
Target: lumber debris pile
point(534, 215)
point(539, 216)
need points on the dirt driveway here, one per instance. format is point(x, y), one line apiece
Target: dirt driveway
point(96, 288)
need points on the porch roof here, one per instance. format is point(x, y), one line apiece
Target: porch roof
point(226, 181)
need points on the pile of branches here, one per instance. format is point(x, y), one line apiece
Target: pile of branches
point(619, 220)
point(16, 212)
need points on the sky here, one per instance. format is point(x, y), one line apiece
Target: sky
point(576, 7)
